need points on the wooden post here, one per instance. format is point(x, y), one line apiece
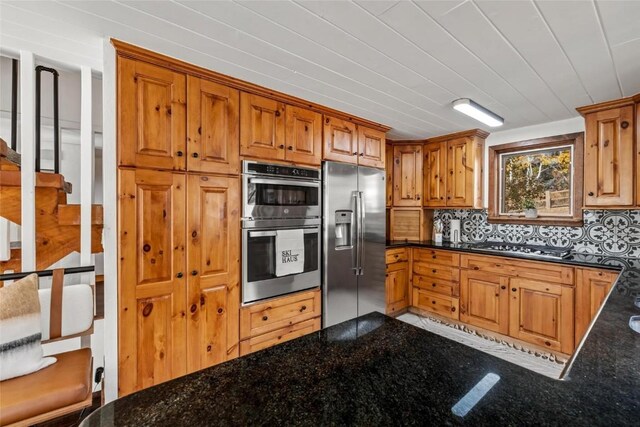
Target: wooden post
point(28, 161)
point(547, 199)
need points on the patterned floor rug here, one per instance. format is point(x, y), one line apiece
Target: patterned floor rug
point(534, 360)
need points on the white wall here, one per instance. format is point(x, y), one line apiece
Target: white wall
point(560, 127)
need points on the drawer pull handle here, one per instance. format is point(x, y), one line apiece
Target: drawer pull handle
point(303, 308)
point(265, 318)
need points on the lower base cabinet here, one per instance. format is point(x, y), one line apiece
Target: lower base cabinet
point(484, 300)
point(592, 288)
point(274, 321)
point(439, 304)
point(397, 281)
point(542, 313)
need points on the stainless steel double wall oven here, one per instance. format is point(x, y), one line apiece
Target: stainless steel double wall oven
point(278, 197)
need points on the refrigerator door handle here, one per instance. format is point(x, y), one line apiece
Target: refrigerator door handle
point(355, 236)
point(363, 215)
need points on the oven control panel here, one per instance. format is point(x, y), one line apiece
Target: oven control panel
point(281, 170)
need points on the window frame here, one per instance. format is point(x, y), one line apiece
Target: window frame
point(575, 141)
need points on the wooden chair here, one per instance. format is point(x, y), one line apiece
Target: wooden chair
point(64, 387)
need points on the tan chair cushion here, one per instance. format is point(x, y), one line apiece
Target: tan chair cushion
point(62, 384)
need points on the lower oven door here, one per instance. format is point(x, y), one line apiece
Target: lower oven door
point(259, 280)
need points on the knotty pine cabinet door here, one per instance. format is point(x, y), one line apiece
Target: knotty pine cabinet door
point(592, 288)
point(389, 174)
point(303, 136)
point(484, 300)
point(397, 287)
point(340, 141)
point(608, 158)
point(435, 175)
point(262, 127)
point(542, 313)
point(151, 278)
point(407, 175)
point(371, 144)
point(213, 270)
point(151, 116)
point(213, 128)
point(463, 188)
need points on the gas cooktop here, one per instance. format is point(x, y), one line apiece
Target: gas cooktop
point(537, 251)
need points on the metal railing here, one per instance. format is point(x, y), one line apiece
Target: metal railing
point(46, 273)
point(56, 118)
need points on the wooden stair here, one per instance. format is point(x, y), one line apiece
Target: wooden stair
point(57, 223)
point(9, 159)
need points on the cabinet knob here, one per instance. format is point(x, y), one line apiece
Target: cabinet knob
point(433, 285)
point(194, 155)
point(361, 154)
point(265, 318)
point(281, 146)
point(453, 309)
point(179, 275)
point(591, 193)
point(179, 153)
point(624, 124)
point(290, 148)
point(513, 289)
point(433, 271)
point(476, 267)
point(303, 308)
point(194, 273)
point(355, 153)
point(503, 287)
point(417, 197)
point(277, 113)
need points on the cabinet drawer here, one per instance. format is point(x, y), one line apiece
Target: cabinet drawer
point(438, 286)
point(436, 303)
point(433, 256)
point(545, 271)
point(279, 336)
point(397, 255)
point(436, 271)
point(277, 313)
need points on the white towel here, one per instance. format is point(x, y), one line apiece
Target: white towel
point(289, 252)
point(5, 242)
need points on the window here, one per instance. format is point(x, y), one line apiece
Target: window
point(542, 177)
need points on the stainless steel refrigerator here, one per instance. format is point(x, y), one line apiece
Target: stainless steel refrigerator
point(353, 204)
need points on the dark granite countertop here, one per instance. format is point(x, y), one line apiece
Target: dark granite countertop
point(376, 370)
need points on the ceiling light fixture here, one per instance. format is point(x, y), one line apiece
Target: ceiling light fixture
point(478, 112)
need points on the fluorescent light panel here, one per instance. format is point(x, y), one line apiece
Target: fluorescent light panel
point(478, 112)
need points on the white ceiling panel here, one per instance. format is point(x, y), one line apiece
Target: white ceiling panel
point(400, 63)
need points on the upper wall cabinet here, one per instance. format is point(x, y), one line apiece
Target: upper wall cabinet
point(407, 175)
point(610, 151)
point(303, 136)
point(213, 131)
point(262, 127)
point(464, 177)
point(435, 175)
point(151, 116)
point(340, 140)
point(371, 145)
point(608, 157)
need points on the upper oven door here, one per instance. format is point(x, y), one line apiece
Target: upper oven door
point(270, 197)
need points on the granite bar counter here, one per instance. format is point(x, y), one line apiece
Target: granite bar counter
point(376, 370)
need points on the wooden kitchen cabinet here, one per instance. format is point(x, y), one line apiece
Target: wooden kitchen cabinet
point(340, 140)
point(484, 300)
point(262, 127)
point(542, 313)
point(592, 289)
point(213, 127)
point(371, 147)
point(407, 175)
point(464, 178)
point(151, 116)
point(609, 154)
point(279, 336)
point(303, 136)
point(152, 322)
point(435, 175)
point(213, 270)
point(436, 303)
point(397, 281)
point(389, 174)
point(277, 313)
point(410, 224)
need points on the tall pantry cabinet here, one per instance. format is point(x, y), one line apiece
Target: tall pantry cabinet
point(179, 223)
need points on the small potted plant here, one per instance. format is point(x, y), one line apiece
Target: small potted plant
point(529, 208)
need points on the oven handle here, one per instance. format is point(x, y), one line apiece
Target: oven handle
point(273, 233)
point(292, 183)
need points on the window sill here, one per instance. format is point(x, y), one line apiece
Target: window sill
point(541, 220)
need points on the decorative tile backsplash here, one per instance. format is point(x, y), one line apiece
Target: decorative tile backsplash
point(605, 232)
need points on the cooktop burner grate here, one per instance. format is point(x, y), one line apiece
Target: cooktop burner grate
point(518, 248)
